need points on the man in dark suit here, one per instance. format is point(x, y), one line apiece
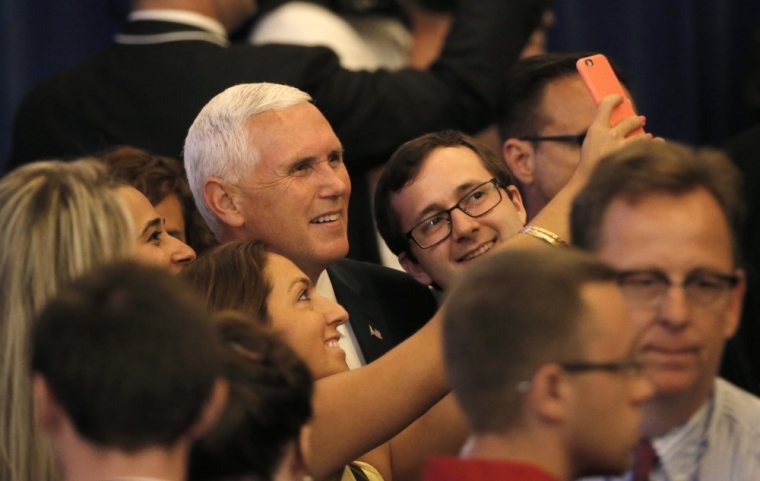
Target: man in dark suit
point(264, 164)
point(173, 57)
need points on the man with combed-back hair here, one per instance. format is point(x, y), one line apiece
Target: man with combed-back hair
point(667, 216)
point(126, 372)
point(544, 113)
point(550, 390)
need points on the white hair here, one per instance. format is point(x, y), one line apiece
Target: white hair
point(218, 144)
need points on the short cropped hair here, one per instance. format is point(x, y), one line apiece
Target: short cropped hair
point(129, 355)
point(269, 402)
point(506, 317)
point(218, 143)
point(58, 220)
point(231, 277)
point(651, 168)
point(520, 113)
point(402, 169)
point(158, 177)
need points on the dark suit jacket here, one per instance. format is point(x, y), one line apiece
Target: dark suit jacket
point(148, 95)
point(388, 301)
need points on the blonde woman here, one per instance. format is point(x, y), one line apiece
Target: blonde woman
point(57, 221)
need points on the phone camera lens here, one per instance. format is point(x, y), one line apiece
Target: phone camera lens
point(589, 63)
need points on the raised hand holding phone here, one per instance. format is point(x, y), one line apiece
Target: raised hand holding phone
point(601, 81)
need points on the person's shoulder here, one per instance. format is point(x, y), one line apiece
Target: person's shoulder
point(738, 409)
point(70, 77)
point(281, 53)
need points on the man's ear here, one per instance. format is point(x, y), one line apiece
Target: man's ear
point(518, 203)
point(47, 411)
point(212, 410)
point(222, 201)
point(414, 269)
point(734, 308)
point(549, 395)
point(519, 156)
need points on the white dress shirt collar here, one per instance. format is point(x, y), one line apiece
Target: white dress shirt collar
point(181, 16)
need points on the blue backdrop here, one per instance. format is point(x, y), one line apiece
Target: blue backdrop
point(687, 59)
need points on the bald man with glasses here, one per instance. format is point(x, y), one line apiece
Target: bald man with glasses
point(666, 217)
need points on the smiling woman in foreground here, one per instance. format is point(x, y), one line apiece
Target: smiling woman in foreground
point(363, 414)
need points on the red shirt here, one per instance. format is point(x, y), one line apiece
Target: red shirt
point(471, 469)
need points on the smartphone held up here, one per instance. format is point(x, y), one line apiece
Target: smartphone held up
point(601, 81)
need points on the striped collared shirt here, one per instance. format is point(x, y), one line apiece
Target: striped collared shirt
point(721, 441)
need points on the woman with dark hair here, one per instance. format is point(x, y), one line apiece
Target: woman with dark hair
point(162, 180)
point(269, 403)
point(368, 413)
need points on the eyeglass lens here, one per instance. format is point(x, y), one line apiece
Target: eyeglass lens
point(476, 203)
point(702, 289)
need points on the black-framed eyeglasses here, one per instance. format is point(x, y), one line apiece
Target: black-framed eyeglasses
point(705, 289)
point(575, 138)
point(479, 201)
point(634, 365)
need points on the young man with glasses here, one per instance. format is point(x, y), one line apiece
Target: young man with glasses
point(667, 216)
point(545, 112)
point(551, 390)
point(444, 199)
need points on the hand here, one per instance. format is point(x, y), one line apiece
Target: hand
point(603, 139)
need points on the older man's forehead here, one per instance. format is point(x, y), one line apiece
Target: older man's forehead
point(289, 136)
point(639, 233)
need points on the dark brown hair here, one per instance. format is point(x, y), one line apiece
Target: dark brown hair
point(505, 318)
point(157, 177)
point(520, 112)
point(269, 402)
point(129, 355)
point(403, 167)
point(231, 277)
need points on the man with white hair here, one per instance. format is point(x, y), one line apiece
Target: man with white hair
point(263, 163)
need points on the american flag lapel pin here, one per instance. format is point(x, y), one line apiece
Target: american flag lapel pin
point(375, 332)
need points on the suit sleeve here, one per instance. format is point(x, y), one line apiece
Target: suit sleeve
point(374, 112)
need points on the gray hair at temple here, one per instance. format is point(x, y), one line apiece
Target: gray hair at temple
point(218, 143)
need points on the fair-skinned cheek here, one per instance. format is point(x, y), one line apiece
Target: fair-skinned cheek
point(642, 320)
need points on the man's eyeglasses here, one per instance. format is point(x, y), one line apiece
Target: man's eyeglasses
point(575, 138)
point(436, 228)
point(647, 288)
point(633, 366)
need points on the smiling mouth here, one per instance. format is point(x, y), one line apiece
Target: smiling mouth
point(482, 250)
point(326, 218)
point(332, 343)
